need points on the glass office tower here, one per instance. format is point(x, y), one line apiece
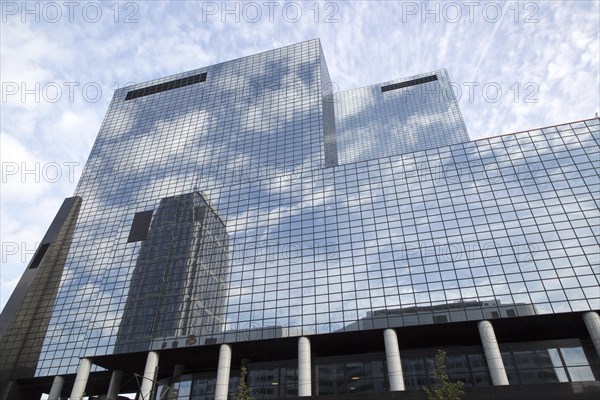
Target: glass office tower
point(248, 214)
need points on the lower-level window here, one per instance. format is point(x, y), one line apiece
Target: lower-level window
point(273, 380)
point(549, 361)
point(350, 374)
point(464, 364)
point(568, 360)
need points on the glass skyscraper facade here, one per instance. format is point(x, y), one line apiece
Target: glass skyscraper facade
point(250, 206)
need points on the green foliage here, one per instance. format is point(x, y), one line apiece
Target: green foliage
point(243, 391)
point(443, 389)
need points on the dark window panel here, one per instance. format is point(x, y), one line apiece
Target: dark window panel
point(140, 226)
point(39, 255)
point(412, 82)
point(162, 87)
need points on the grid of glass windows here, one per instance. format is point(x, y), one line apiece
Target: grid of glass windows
point(495, 228)
point(401, 116)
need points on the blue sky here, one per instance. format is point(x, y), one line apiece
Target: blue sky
point(514, 66)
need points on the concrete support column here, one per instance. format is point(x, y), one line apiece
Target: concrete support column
point(304, 367)
point(56, 388)
point(592, 323)
point(149, 375)
point(392, 357)
point(83, 373)
point(114, 385)
point(222, 386)
point(492, 353)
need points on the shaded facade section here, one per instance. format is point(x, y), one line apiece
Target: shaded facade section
point(329, 136)
point(186, 249)
point(25, 318)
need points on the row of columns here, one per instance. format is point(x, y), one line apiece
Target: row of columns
point(392, 353)
point(81, 379)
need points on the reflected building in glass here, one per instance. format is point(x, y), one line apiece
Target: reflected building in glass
point(248, 214)
point(183, 251)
